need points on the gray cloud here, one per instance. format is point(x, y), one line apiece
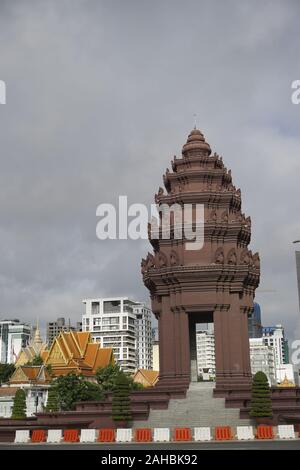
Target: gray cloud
point(100, 96)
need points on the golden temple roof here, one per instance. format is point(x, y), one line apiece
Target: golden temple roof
point(286, 383)
point(30, 374)
point(146, 377)
point(73, 351)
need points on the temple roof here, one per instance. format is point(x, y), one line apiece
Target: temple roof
point(36, 347)
point(30, 374)
point(75, 351)
point(286, 383)
point(195, 143)
point(146, 376)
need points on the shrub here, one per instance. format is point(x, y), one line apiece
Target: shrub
point(121, 407)
point(261, 403)
point(19, 407)
point(52, 401)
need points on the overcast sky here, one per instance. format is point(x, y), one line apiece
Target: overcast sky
point(100, 96)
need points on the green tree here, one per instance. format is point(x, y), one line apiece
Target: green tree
point(261, 403)
point(107, 376)
point(19, 407)
point(6, 371)
point(91, 392)
point(121, 406)
point(52, 401)
point(72, 388)
point(36, 361)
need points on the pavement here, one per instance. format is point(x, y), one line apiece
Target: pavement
point(171, 446)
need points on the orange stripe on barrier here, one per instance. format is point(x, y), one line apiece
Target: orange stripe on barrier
point(106, 435)
point(182, 434)
point(143, 435)
point(38, 435)
point(71, 435)
point(223, 433)
point(264, 431)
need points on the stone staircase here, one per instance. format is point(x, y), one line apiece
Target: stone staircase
point(199, 408)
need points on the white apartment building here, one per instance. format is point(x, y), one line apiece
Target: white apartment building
point(143, 329)
point(262, 358)
point(113, 323)
point(13, 337)
point(206, 363)
point(274, 336)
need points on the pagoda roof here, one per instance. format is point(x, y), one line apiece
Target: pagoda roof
point(74, 351)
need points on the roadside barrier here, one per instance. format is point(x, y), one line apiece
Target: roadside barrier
point(143, 435)
point(264, 431)
point(182, 434)
point(124, 435)
point(88, 435)
point(202, 434)
point(223, 433)
point(106, 435)
point(244, 433)
point(161, 435)
point(54, 436)
point(22, 436)
point(39, 435)
point(197, 434)
point(286, 431)
point(71, 435)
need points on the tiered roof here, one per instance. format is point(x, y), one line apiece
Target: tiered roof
point(73, 351)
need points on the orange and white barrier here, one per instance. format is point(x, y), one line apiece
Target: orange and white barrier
point(144, 435)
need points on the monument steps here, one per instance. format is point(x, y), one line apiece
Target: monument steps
point(199, 408)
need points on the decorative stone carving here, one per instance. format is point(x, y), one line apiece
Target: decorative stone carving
point(256, 260)
point(224, 216)
point(245, 258)
point(219, 256)
point(231, 257)
point(174, 261)
point(162, 259)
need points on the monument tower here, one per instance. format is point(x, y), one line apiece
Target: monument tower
point(213, 284)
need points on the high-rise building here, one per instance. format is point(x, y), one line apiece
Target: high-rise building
point(55, 327)
point(254, 322)
point(112, 323)
point(274, 336)
point(155, 349)
point(262, 358)
point(298, 273)
point(13, 337)
point(143, 336)
point(206, 363)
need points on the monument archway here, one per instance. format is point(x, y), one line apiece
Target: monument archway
point(217, 281)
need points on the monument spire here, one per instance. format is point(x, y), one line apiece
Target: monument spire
point(214, 284)
point(37, 336)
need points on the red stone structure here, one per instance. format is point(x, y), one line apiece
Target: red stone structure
point(213, 284)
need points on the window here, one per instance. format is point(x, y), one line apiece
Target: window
point(112, 306)
point(95, 308)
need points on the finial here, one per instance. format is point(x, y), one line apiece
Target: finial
point(195, 120)
point(37, 336)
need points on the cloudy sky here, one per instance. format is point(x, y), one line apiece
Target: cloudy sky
point(100, 96)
